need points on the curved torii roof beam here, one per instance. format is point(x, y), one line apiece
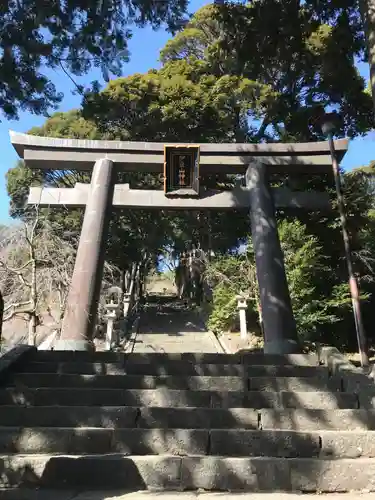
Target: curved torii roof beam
point(79, 154)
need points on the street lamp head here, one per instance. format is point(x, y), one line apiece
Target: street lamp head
point(329, 122)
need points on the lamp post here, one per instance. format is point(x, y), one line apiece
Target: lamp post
point(328, 121)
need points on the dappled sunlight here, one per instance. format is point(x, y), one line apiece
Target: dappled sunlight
point(185, 421)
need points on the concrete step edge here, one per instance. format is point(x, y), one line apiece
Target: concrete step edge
point(188, 418)
point(329, 432)
point(180, 398)
point(188, 442)
point(188, 382)
point(168, 472)
point(119, 456)
point(171, 362)
point(97, 390)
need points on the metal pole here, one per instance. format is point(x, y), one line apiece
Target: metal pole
point(353, 285)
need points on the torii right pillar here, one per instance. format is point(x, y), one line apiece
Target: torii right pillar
point(279, 326)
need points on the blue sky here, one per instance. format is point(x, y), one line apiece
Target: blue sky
point(144, 47)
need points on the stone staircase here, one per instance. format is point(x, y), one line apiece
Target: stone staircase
point(250, 422)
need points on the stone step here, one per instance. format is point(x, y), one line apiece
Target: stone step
point(253, 358)
point(142, 357)
point(174, 368)
point(314, 420)
point(59, 494)
point(186, 418)
point(366, 398)
point(215, 370)
point(168, 472)
point(78, 356)
point(285, 399)
point(217, 442)
point(99, 441)
point(194, 383)
point(176, 398)
point(295, 384)
point(244, 418)
point(247, 357)
point(155, 494)
point(125, 417)
point(278, 443)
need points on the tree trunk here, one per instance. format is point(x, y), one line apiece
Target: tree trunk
point(367, 8)
point(33, 300)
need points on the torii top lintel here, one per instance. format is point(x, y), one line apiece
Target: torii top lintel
point(81, 154)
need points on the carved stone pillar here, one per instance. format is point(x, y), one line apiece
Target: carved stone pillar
point(82, 304)
point(280, 333)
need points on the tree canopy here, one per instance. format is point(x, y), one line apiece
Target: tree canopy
point(304, 53)
point(243, 73)
point(74, 36)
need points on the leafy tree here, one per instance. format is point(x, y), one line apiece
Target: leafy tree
point(153, 114)
point(304, 53)
point(75, 36)
point(230, 276)
point(315, 300)
point(315, 304)
point(69, 124)
point(180, 93)
point(251, 73)
point(20, 178)
point(359, 197)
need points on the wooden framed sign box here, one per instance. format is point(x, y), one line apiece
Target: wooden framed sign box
point(181, 170)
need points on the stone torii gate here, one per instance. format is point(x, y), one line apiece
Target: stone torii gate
point(182, 166)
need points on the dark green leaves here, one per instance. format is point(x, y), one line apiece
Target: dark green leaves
point(75, 35)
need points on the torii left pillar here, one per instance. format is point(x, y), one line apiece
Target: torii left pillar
point(82, 303)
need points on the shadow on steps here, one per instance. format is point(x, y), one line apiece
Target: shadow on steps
point(245, 422)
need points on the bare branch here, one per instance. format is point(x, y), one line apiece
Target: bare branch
point(16, 309)
point(13, 270)
point(23, 281)
point(42, 263)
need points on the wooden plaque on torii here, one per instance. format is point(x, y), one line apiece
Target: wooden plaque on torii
point(181, 170)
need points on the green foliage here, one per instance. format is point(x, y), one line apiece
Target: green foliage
point(250, 72)
point(70, 124)
point(223, 316)
point(314, 304)
point(194, 42)
point(18, 181)
point(230, 276)
point(75, 36)
point(215, 109)
point(301, 54)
